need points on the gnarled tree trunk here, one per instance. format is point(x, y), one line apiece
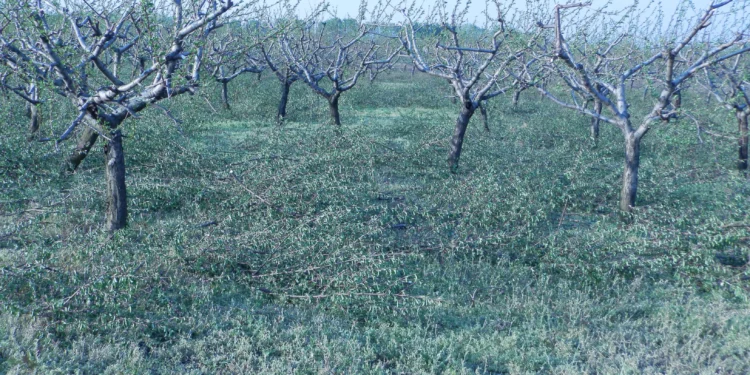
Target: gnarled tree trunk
point(281, 114)
point(85, 143)
point(595, 122)
point(333, 106)
point(485, 119)
point(677, 100)
point(117, 208)
point(630, 175)
point(742, 117)
point(34, 120)
point(225, 94)
point(462, 123)
point(110, 121)
point(516, 97)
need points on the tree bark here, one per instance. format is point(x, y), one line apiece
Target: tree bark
point(485, 118)
point(516, 97)
point(462, 123)
point(34, 120)
point(85, 143)
point(117, 208)
point(110, 121)
point(595, 122)
point(333, 105)
point(630, 175)
point(677, 100)
point(743, 141)
point(225, 94)
point(283, 101)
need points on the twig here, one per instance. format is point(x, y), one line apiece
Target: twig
point(562, 216)
point(8, 235)
point(177, 122)
point(250, 191)
point(717, 134)
point(209, 104)
point(208, 224)
point(271, 157)
point(704, 130)
point(735, 225)
point(350, 294)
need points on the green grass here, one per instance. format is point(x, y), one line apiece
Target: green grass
point(355, 251)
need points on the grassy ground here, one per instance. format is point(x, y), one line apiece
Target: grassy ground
point(254, 248)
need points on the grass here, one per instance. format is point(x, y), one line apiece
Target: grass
point(254, 248)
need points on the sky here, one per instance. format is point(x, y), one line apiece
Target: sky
point(349, 7)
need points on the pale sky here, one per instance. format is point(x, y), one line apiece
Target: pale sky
point(731, 14)
point(346, 8)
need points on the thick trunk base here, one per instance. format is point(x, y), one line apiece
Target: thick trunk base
point(333, 106)
point(117, 209)
point(225, 95)
point(630, 175)
point(34, 121)
point(281, 113)
point(743, 141)
point(462, 123)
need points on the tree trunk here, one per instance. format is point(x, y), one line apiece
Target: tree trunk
point(630, 175)
point(333, 105)
point(462, 122)
point(117, 208)
point(485, 119)
point(595, 122)
point(85, 143)
point(225, 94)
point(283, 101)
point(516, 97)
point(34, 120)
point(743, 141)
point(33, 112)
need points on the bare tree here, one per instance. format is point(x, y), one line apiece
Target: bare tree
point(520, 88)
point(29, 93)
point(477, 62)
point(280, 22)
point(79, 50)
point(729, 84)
point(330, 56)
point(286, 76)
point(601, 70)
point(232, 56)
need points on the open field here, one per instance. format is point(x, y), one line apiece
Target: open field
point(253, 248)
